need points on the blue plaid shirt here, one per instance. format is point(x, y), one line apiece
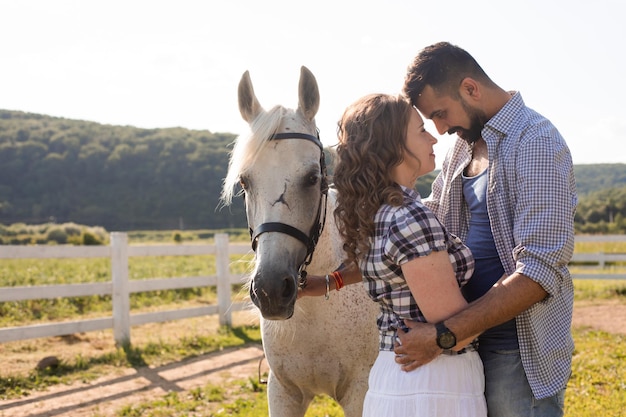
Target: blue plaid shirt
point(404, 233)
point(531, 200)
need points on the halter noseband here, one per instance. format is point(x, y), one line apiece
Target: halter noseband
point(310, 240)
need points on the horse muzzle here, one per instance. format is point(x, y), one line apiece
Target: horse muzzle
point(274, 295)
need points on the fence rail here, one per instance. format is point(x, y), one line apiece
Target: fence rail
point(120, 287)
point(598, 260)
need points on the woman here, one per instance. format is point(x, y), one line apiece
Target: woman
point(409, 263)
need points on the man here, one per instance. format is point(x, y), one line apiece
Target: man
point(507, 189)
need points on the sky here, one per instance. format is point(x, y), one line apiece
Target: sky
point(158, 64)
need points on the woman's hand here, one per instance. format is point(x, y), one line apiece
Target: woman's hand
point(315, 286)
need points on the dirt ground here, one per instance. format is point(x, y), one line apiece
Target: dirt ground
point(107, 394)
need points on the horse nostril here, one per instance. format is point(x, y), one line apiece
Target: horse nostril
point(253, 296)
point(289, 288)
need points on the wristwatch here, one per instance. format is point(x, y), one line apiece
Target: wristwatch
point(445, 338)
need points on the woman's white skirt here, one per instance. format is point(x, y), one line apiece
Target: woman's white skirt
point(449, 386)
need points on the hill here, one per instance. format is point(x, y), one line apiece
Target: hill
point(595, 177)
point(118, 177)
point(127, 178)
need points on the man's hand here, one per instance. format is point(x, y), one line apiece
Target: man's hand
point(417, 347)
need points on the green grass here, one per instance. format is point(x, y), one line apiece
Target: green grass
point(233, 399)
point(238, 398)
point(595, 247)
point(591, 290)
point(597, 386)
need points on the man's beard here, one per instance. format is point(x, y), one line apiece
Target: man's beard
point(477, 122)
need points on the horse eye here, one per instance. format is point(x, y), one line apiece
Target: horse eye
point(312, 179)
point(243, 183)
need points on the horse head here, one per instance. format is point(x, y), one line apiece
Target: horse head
point(281, 171)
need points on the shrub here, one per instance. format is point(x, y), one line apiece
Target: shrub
point(72, 229)
point(50, 233)
point(19, 229)
point(100, 233)
point(58, 235)
point(91, 239)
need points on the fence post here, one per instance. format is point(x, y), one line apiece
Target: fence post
point(222, 262)
point(121, 297)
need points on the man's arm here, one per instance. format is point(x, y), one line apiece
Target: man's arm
point(509, 297)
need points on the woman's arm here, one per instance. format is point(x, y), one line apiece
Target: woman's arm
point(316, 284)
point(435, 288)
point(505, 300)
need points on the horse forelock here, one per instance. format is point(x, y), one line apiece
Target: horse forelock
point(246, 148)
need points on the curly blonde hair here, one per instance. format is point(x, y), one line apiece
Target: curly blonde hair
point(372, 140)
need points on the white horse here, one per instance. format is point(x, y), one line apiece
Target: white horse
point(313, 345)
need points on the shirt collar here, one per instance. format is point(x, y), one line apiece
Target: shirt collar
point(410, 193)
point(504, 119)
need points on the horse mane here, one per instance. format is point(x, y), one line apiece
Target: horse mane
point(246, 148)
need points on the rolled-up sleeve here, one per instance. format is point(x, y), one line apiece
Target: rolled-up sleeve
point(544, 210)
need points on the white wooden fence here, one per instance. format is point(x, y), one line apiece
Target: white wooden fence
point(120, 287)
point(599, 260)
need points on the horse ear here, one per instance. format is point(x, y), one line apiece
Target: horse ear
point(249, 106)
point(309, 95)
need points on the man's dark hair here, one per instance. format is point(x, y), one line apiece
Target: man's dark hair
point(442, 66)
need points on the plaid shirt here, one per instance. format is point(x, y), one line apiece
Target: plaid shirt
point(404, 233)
point(531, 200)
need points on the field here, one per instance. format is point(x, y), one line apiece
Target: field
point(192, 367)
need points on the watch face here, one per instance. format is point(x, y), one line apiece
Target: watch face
point(447, 340)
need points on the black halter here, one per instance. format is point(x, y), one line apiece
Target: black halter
point(310, 240)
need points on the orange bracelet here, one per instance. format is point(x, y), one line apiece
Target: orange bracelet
point(338, 280)
point(337, 287)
